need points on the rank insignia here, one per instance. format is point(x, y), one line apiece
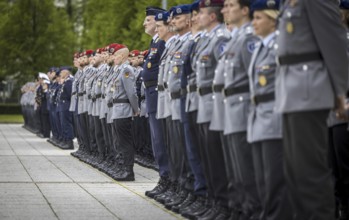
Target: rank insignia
point(149, 65)
point(127, 74)
point(175, 69)
point(205, 58)
point(262, 80)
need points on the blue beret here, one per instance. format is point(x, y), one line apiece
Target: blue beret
point(265, 4)
point(181, 10)
point(163, 16)
point(344, 4)
point(65, 68)
point(52, 69)
point(153, 10)
point(195, 5)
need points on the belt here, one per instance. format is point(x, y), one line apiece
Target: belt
point(299, 58)
point(98, 96)
point(191, 88)
point(89, 97)
point(165, 85)
point(103, 96)
point(142, 98)
point(204, 90)
point(236, 90)
point(73, 93)
point(183, 92)
point(148, 84)
point(120, 101)
point(81, 93)
point(263, 98)
point(161, 88)
point(175, 95)
point(217, 88)
point(110, 104)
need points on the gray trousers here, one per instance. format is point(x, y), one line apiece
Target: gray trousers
point(269, 170)
point(307, 173)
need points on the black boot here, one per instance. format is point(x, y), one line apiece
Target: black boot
point(181, 196)
point(126, 174)
point(68, 145)
point(161, 187)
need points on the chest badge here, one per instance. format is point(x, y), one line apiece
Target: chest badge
point(289, 27)
point(149, 65)
point(262, 80)
point(175, 69)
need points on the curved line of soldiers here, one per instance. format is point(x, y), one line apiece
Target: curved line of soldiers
point(241, 106)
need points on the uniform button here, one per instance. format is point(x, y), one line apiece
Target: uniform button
point(225, 74)
point(225, 101)
point(305, 67)
point(226, 61)
point(213, 97)
point(289, 14)
point(214, 82)
point(276, 46)
point(277, 32)
point(215, 71)
point(241, 98)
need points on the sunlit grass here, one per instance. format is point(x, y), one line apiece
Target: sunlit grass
point(11, 119)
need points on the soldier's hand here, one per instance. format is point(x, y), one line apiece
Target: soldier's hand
point(341, 108)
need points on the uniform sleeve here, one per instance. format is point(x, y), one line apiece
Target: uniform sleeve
point(330, 36)
point(129, 83)
point(247, 50)
point(68, 88)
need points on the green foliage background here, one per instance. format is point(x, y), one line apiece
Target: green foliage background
point(37, 34)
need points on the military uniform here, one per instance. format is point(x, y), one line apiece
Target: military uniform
point(312, 73)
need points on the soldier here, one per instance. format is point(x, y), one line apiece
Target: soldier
point(311, 79)
point(264, 125)
point(150, 80)
point(66, 117)
point(52, 105)
point(163, 113)
point(125, 106)
point(338, 143)
point(45, 108)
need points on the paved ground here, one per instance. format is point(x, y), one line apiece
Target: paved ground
point(39, 181)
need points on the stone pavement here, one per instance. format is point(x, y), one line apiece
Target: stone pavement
point(39, 181)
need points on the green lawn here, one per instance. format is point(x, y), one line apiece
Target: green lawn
point(11, 119)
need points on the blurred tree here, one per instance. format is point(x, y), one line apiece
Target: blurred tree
point(34, 36)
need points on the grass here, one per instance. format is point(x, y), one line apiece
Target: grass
point(11, 119)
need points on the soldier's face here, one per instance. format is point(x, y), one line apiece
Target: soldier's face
point(263, 25)
point(234, 12)
point(149, 25)
point(180, 22)
point(161, 29)
point(194, 21)
point(204, 18)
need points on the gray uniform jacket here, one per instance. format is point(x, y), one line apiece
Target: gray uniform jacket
point(125, 89)
point(163, 99)
point(191, 103)
point(217, 121)
point(263, 122)
point(109, 93)
point(143, 103)
point(90, 89)
point(310, 27)
point(213, 46)
point(74, 96)
point(332, 119)
point(104, 105)
point(81, 89)
point(174, 82)
point(237, 104)
point(97, 89)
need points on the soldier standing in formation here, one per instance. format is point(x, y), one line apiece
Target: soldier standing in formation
point(233, 114)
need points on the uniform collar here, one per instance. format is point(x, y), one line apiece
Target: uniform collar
point(155, 37)
point(266, 41)
point(234, 31)
point(169, 41)
point(184, 36)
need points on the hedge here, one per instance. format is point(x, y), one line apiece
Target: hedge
point(10, 109)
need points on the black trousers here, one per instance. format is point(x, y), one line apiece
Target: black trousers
point(108, 142)
point(214, 166)
point(91, 132)
point(83, 127)
point(245, 174)
point(339, 160)
point(99, 136)
point(123, 130)
point(176, 151)
point(307, 173)
point(46, 125)
point(269, 171)
point(235, 195)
